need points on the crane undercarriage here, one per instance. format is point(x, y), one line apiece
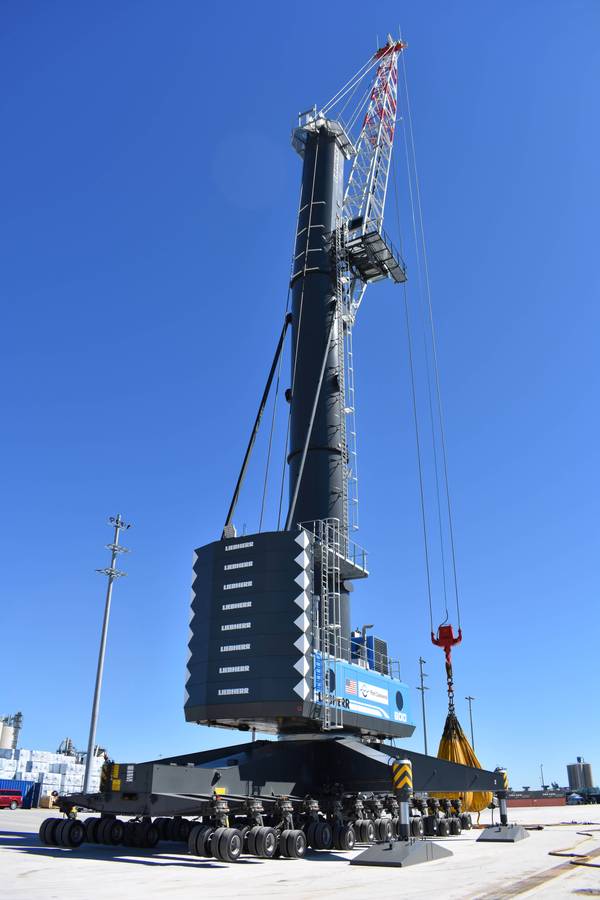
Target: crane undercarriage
point(267, 797)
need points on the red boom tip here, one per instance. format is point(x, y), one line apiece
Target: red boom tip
point(390, 47)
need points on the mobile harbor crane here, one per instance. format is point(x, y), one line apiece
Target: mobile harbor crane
point(270, 647)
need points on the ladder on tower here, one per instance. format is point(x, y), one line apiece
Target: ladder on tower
point(329, 539)
point(345, 321)
point(350, 411)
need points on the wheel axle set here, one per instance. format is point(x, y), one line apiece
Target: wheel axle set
point(228, 828)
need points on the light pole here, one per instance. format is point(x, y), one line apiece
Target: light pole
point(111, 573)
point(470, 702)
point(423, 675)
point(542, 774)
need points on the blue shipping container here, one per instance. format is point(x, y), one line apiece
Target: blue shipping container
point(31, 790)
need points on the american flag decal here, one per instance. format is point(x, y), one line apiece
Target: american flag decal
point(351, 686)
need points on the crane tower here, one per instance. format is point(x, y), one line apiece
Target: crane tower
point(271, 646)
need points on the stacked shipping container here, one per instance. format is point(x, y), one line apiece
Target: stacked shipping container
point(52, 771)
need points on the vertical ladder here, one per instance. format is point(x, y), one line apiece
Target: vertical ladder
point(329, 536)
point(342, 281)
point(352, 450)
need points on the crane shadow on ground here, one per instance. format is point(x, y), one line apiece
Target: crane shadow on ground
point(27, 842)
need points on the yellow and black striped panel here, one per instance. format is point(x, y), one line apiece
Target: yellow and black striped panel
point(504, 774)
point(402, 776)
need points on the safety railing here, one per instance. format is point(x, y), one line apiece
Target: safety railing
point(349, 550)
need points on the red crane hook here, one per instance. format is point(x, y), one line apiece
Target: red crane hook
point(447, 640)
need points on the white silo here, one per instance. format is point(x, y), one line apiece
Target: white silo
point(7, 737)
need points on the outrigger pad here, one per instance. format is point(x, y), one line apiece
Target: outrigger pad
point(504, 834)
point(400, 853)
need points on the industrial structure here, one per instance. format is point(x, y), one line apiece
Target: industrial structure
point(10, 729)
point(580, 775)
point(271, 647)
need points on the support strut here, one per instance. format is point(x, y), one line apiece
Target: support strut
point(261, 409)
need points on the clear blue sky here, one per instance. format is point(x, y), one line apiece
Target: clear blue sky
point(148, 203)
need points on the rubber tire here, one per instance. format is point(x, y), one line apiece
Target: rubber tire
point(455, 826)
point(266, 842)
point(90, 827)
point(13, 805)
point(310, 832)
point(148, 835)
point(104, 832)
point(69, 833)
point(251, 836)
point(161, 824)
point(212, 843)
point(42, 830)
point(129, 832)
point(431, 825)
point(282, 848)
point(295, 843)
point(384, 830)
point(443, 827)
point(99, 831)
point(417, 828)
point(396, 825)
point(203, 842)
point(58, 841)
point(323, 836)
point(136, 836)
point(344, 837)
point(230, 845)
point(185, 826)
point(47, 830)
point(113, 834)
point(367, 831)
point(172, 830)
point(193, 838)
point(466, 822)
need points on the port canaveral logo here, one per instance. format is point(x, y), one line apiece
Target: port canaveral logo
point(372, 692)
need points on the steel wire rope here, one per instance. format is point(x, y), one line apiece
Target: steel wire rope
point(277, 384)
point(415, 415)
point(268, 462)
point(427, 368)
point(358, 77)
point(340, 112)
point(433, 340)
point(352, 81)
point(361, 105)
point(306, 251)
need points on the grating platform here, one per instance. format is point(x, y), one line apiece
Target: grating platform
point(373, 257)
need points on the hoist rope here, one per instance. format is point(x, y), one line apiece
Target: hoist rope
point(414, 408)
point(433, 335)
point(427, 369)
point(299, 324)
